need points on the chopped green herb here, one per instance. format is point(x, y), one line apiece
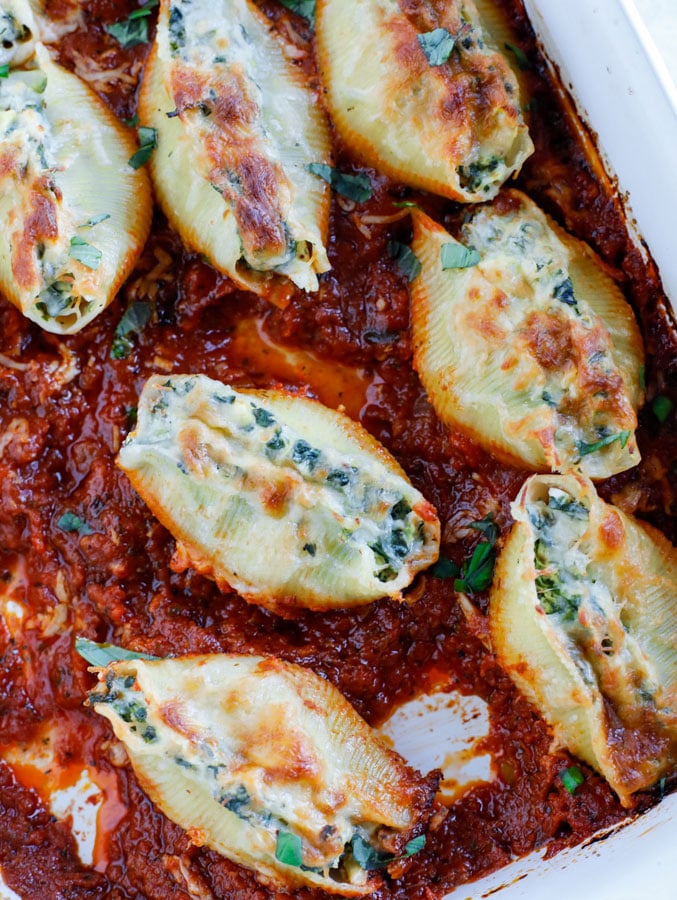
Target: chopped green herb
point(456, 256)
point(4, 71)
point(415, 845)
point(520, 56)
point(289, 849)
point(437, 45)
point(564, 292)
point(405, 204)
point(355, 187)
point(90, 223)
point(133, 30)
point(478, 572)
point(134, 319)
point(305, 8)
point(405, 258)
point(445, 568)
point(133, 122)
point(85, 253)
point(147, 143)
point(131, 412)
point(584, 448)
point(368, 857)
point(662, 406)
point(69, 521)
point(103, 654)
point(642, 377)
point(572, 778)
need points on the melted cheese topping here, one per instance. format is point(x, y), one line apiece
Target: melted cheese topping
point(455, 129)
point(239, 750)
point(237, 128)
point(66, 193)
point(533, 348)
point(226, 470)
point(17, 32)
point(584, 617)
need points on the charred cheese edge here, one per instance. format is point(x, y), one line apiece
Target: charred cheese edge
point(237, 127)
point(583, 616)
point(533, 349)
point(240, 749)
point(455, 129)
point(67, 193)
point(282, 499)
point(18, 32)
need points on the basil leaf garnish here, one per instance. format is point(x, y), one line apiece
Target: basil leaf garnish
point(355, 187)
point(405, 258)
point(147, 143)
point(437, 45)
point(85, 253)
point(103, 654)
point(456, 256)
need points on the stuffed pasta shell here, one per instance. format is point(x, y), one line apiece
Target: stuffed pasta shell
point(237, 127)
point(420, 92)
point(276, 496)
point(583, 616)
point(268, 764)
point(75, 214)
point(522, 340)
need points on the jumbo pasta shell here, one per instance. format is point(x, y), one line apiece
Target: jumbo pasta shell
point(455, 129)
point(583, 616)
point(288, 502)
point(237, 126)
point(239, 750)
point(526, 343)
point(76, 215)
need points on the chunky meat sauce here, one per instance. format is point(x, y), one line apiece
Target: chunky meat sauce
point(65, 406)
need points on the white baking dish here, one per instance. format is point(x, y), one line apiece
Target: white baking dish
point(623, 90)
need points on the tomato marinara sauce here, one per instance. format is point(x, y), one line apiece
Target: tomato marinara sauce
point(67, 403)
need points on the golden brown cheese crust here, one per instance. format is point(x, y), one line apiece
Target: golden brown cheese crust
point(455, 129)
point(583, 617)
point(531, 349)
point(238, 750)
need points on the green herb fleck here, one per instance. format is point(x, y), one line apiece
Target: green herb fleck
point(445, 568)
point(103, 654)
point(305, 8)
point(289, 849)
point(662, 406)
point(355, 187)
point(564, 292)
point(456, 256)
point(584, 448)
point(133, 30)
point(69, 521)
point(4, 71)
point(134, 319)
point(85, 253)
point(572, 778)
point(478, 572)
point(520, 56)
point(147, 143)
point(405, 258)
point(437, 45)
point(132, 122)
point(405, 204)
point(90, 223)
point(131, 414)
point(415, 845)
